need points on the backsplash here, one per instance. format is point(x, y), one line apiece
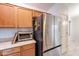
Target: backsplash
point(6, 34)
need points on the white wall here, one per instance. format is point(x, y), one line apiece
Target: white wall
point(58, 9)
point(73, 14)
point(73, 9)
point(74, 32)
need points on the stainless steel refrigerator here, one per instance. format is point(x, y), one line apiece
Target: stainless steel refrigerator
point(51, 36)
point(47, 35)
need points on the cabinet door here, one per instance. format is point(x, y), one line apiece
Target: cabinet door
point(24, 17)
point(29, 52)
point(36, 13)
point(10, 51)
point(28, 46)
point(7, 15)
point(0, 53)
point(14, 54)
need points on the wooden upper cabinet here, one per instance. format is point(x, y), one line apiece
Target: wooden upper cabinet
point(36, 13)
point(14, 16)
point(7, 16)
point(24, 17)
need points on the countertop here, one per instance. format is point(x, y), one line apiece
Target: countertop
point(7, 45)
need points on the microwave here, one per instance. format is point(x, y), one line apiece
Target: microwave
point(24, 36)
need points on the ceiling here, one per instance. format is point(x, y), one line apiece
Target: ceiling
point(44, 6)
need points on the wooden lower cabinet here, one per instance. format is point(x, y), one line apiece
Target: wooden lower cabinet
point(14, 54)
point(25, 50)
point(27, 47)
point(30, 52)
point(11, 51)
point(0, 53)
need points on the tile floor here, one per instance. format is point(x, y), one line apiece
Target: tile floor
point(73, 48)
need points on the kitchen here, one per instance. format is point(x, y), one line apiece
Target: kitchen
point(28, 32)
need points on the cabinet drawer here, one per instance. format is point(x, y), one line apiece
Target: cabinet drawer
point(14, 54)
point(29, 46)
point(30, 52)
point(0, 53)
point(10, 51)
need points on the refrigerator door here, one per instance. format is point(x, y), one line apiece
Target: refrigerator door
point(57, 31)
point(51, 35)
point(48, 40)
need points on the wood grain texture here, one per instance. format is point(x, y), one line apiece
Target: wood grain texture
point(26, 47)
point(36, 13)
point(29, 52)
point(14, 16)
point(7, 16)
point(14, 54)
point(10, 51)
point(0, 53)
point(25, 50)
point(24, 17)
